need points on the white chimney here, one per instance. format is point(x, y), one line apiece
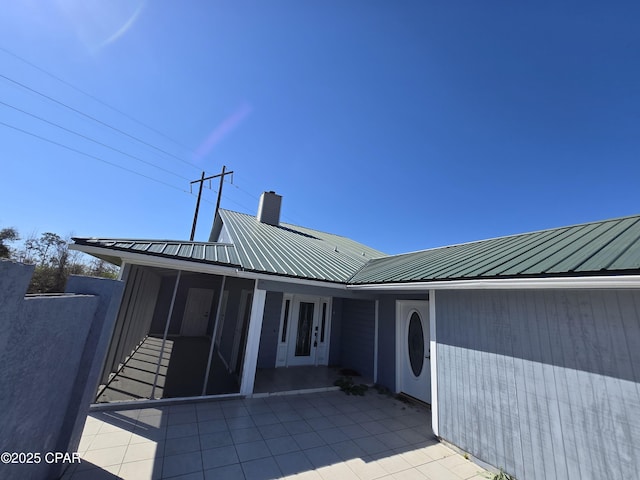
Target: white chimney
point(269, 208)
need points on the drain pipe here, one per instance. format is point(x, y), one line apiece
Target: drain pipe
point(166, 331)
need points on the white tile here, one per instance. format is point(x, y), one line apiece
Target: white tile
point(394, 463)
point(366, 470)
point(141, 451)
point(104, 457)
point(106, 440)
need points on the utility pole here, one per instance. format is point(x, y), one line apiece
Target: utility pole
point(201, 181)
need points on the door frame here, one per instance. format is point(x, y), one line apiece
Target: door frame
point(288, 318)
point(418, 306)
point(191, 295)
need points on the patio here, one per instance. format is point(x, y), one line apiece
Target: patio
point(322, 436)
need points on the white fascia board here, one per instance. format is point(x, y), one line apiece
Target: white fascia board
point(190, 266)
point(619, 281)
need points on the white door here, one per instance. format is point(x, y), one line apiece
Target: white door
point(413, 364)
point(303, 334)
point(196, 312)
point(305, 331)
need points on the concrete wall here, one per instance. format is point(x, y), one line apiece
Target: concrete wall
point(269, 334)
point(543, 383)
point(51, 352)
point(357, 335)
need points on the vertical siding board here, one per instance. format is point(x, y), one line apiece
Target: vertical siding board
point(444, 414)
point(559, 334)
point(487, 442)
point(358, 335)
point(513, 374)
point(580, 390)
point(630, 305)
point(587, 354)
point(475, 390)
point(539, 437)
point(493, 441)
point(522, 345)
point(461, 424)
point(544, 383)
point(559, 413)
point(550, 418)
point(386, 349)
point(606, 321)
point(503, 361)
point(268, 348)
point(447, 409)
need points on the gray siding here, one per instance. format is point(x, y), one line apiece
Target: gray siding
point(134, 317)
point(357, 335)
point(336, 332)
point(269, 334)
point(542, 383)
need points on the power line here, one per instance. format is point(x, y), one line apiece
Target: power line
point(96, 99)
point(92, 140)
point(91, 156)
point(122, 132)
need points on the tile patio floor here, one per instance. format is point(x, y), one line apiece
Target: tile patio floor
point(321, 436)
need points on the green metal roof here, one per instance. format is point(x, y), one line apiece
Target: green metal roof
point(205, 252)
point(294, 251)
point(605, 247)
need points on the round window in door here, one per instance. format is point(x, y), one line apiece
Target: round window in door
point(415, 344)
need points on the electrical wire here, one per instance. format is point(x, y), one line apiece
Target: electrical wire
point(26, 87)
point(96, 99)
point(101, 102)
point(93, 140)
point(40, 137)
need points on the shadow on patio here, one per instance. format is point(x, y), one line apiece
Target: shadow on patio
point(320, 435)
point(181, 373)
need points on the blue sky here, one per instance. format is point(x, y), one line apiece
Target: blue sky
point(403, 125)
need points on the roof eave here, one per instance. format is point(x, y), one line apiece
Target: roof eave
point(624, 281)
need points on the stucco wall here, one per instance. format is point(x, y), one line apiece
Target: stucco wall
point(51, 356)
point(543, 383)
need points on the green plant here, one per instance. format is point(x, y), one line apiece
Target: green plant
point(502, 475)
point(466, 456)
point(347, 386)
